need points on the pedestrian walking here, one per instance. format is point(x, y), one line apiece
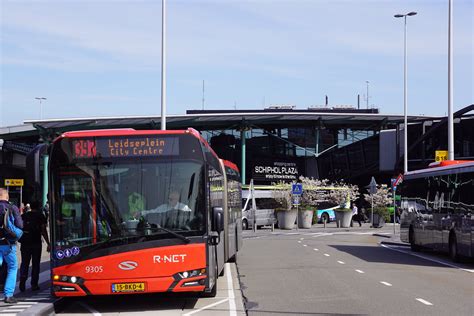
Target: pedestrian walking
point(355, 214)
point(8, 243)
point(34, 226)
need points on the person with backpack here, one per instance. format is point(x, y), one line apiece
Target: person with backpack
point(10, 231)
point(34, 226)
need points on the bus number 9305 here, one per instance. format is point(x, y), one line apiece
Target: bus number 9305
point(94, 269)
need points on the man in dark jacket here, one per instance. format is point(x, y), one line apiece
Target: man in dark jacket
point(8, 249)
point(34, 226)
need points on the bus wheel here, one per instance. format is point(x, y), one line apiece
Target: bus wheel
point(245, 224)
point(411, 237)
point(453, 248)
point(325, 217)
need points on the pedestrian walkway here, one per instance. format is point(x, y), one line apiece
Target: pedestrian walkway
point(29, 301)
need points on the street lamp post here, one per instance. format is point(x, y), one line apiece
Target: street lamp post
point(163, 64)
point(41, 106)
point(405, 103)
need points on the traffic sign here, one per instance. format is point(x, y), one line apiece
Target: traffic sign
point(297, 189)
point(296, 199)
point(372, 186)
point(14, 182)
point(441, 155)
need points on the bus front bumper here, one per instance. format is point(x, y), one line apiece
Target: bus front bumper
point(129, 286)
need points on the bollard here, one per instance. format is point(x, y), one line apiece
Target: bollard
point(324, 221)
point(273, 227)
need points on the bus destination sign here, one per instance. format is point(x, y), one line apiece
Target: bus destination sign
point(128, 147)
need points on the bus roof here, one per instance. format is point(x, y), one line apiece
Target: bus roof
point(134, 132)
point(443, 166)
point(231, 165)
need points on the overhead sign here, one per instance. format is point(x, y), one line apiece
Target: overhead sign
point(297, 189)
point(14, 182)
point(441, 155)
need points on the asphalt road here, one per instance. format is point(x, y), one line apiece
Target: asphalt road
point(347, 272)
point(306, 272)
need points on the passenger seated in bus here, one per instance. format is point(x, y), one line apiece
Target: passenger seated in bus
point(171, 214)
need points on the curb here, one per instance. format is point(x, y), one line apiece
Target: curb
point(394, 243)
point(381, 235)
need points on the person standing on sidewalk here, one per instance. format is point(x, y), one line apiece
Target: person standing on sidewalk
point(355, 214)
point(8, 248)
point(31, 245)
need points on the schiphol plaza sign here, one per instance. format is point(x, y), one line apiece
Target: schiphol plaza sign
point(274, 171)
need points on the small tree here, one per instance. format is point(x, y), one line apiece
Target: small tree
point(314, 191)
point(343, 193)
point(381, 199)
point(282, 195)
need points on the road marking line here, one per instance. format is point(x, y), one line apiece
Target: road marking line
point(206, 307)
point(424, 301)
point(316, 249)
point(301, 238)
point(92, 310)
point(385, 283)
point(360, 271)
point(299, 241)
point(292, 234)
point(430, 259)
point(8, 314)
point(341, 262)
point(22, 305)
point(305, 245)
point(230, 291)
point(327, 255)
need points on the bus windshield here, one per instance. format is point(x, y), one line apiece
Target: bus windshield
point(126, 200)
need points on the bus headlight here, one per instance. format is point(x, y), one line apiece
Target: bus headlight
point(66, 279)
point(190, 274)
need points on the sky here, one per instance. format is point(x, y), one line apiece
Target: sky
point(103, 57)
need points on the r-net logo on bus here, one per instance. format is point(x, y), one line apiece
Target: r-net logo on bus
point(169, 258)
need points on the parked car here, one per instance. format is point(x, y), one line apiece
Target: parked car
point(327, 214)
point(264, 212)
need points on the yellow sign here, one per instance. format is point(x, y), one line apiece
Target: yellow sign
point(14, 182)
point(441, 155)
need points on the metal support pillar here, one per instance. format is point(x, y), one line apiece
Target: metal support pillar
point(243, 150)
point(45, 179)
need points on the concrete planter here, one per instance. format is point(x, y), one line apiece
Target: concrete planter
point(379, 221)
point(343, 218)
point(286, 219)
point(305, 219)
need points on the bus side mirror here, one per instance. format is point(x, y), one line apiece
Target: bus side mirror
point(217, 219)
point(33, 165)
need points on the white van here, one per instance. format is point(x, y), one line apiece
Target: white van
point(265, 209)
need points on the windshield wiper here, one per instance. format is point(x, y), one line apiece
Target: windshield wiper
point(175, 234)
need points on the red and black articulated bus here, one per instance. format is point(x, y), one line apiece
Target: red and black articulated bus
point(140, 212)
point(438, 208)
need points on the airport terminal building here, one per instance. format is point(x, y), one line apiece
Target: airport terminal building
point(279, 143)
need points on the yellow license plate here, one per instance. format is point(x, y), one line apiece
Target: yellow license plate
point(128, 287)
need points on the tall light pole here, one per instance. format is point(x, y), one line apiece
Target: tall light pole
point(163, 66)
point(405, 103)
point(450, 84)
point(41, 106)
point(367, 82)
